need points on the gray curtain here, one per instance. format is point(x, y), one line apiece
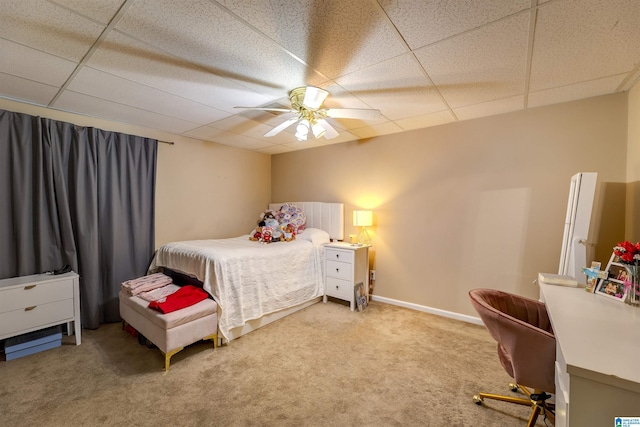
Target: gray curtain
point(78, 196)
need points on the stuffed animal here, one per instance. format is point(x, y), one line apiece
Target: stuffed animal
point(290, 214)
point(289, 232)
point(268, 229)
point(267, 235)
point(256, 236)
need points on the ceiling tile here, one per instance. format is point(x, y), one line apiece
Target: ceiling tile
point(377, 130)
point(240, 141)
point(133, 60)
point(581, 40)
point(396, 87)
point(481, 65)
point(89, 106)
point(206, 133)
point(98, 10)
point(343, 36)
point(575, 91)
point(343, 137)
point(426, 120)
point(205, 34)
point(425, 22)
point(496, 106)
point(310, 143)
point(242, 126)
point(31, 64)
point(27, 90)
point(108, 87)
point(68, 34)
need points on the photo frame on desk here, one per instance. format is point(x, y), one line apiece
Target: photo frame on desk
point(613, 286)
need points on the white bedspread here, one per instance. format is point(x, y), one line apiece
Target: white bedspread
point(248, 279)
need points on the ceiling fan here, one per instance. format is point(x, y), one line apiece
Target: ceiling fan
point(307, 102)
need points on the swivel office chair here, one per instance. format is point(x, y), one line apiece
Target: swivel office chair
point(526, 347)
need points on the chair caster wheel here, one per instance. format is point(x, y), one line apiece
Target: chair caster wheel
point(477, 400)
point(513, 387)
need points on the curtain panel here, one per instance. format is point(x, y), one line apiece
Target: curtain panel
point(79, 196)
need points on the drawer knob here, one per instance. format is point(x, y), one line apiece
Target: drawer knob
point(338, 256)
point(30, 308)
point(26, 288)
point(337, 287)
point(337, 270)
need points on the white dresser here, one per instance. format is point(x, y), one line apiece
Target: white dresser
point(345, 265)
point(597, 357)
point(30, 303)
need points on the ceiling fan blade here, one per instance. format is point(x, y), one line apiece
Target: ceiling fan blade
point(282, 126)
point(352, 113)
point(284, 110)
point(330, 132)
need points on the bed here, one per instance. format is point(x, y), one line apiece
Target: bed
point(254, 283)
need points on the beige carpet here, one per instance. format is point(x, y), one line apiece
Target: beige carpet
point(323, 366)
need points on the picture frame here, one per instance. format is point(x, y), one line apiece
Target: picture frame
point(612, 286)
point(360, 294)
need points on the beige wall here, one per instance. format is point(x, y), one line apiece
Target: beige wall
point(470, 204)
point(632, 231)
point(206, 190)
point(203, 190)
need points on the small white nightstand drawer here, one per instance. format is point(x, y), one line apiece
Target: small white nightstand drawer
point(30, 295)
point(338, 255)
point(339, 270)
point(36, 315)
point(337, 288)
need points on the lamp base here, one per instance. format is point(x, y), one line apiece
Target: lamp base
point(363, 237)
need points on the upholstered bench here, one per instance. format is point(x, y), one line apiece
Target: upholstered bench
point(173, 331)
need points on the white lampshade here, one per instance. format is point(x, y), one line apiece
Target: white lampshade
point(314, 97)
point(302, 130)
point(318, 130)
point(362, 218)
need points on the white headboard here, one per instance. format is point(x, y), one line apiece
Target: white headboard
point(325, 216)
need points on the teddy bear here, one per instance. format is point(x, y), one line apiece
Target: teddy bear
point(267, 235)
point(256, 236)
point(268, 229)
point(289, 232)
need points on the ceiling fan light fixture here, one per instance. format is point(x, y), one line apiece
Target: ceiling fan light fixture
point(318, 130)
point(302, 130)
point(314, 97)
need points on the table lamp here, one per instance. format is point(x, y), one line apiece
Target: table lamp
point(363, 219)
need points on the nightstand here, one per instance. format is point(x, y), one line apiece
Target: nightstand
point(345, 265)
point(30, 303)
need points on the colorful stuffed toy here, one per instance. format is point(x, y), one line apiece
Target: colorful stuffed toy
point(268, 229)
point(256, 236)
point(290, 214)
point(289, 232)
point(279, 226)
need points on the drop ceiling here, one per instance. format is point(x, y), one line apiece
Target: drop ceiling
point(182, 66)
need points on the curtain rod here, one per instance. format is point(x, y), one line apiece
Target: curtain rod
point(167, 142)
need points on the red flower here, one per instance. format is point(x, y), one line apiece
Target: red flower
point(627, 251)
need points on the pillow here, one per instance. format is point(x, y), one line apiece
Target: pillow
point(315, 236)
point(292, 214)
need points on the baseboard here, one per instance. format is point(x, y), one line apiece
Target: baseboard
point(431, 310)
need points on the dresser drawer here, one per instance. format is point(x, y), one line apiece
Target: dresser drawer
point(338, 255)
point(339, 270)
point(337, 288)
point(30, 295)
point(12, 322)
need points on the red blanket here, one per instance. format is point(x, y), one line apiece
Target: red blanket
point(184, 297)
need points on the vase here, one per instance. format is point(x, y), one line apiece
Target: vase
point(633, 285)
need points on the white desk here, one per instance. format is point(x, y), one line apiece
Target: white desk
point(597, 357)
